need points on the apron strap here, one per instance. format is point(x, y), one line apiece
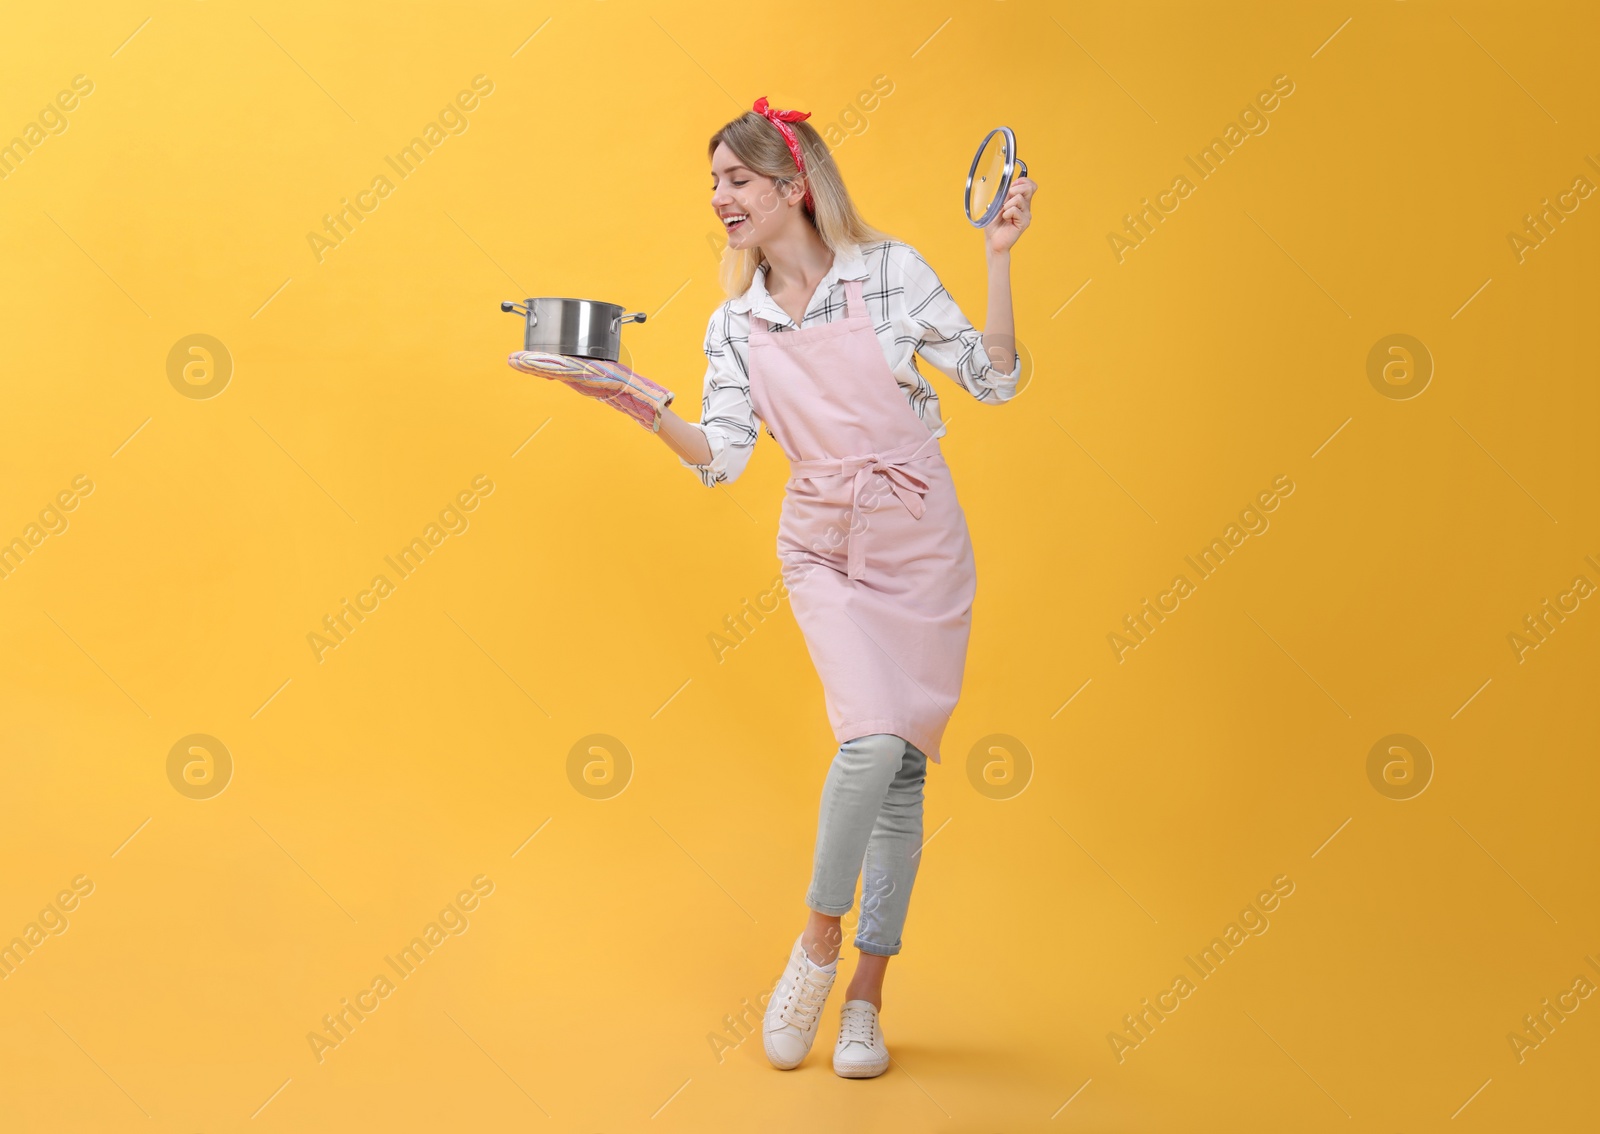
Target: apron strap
point(854, 307)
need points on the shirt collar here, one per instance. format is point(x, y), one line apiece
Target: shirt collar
point(848, 264)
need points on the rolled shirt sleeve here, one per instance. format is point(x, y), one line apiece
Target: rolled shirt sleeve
point(948, 338)
point(727, 418)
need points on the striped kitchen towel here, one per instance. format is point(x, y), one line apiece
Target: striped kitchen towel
point(610, 382)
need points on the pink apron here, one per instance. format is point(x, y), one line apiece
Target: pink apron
point(873, 544)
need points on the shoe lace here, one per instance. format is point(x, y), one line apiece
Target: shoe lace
point(805, 1000)
point(857, 1026)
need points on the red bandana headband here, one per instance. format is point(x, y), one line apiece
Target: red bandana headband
point(781, 119)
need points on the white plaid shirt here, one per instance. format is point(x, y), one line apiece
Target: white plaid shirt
point(911, 314)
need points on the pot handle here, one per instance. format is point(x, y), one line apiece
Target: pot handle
point(635, 317)
point(512, 308)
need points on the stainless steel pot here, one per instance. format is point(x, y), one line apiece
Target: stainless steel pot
point(585, 328)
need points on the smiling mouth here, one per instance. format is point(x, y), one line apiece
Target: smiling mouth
point(734, 220)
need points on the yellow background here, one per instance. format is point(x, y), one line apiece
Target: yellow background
point(371, 387)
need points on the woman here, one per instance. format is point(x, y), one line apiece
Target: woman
point(817, 344)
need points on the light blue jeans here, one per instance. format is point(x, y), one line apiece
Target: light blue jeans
point(870, 827)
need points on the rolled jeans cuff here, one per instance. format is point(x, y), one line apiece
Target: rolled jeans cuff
point(826, 908)
point(876, 950)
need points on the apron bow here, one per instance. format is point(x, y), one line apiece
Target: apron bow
point(907, 486)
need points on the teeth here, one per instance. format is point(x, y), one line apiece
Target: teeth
point(737, 217)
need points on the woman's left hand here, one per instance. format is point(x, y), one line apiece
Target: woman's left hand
point(1004, 231)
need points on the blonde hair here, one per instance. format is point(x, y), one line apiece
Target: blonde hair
point(758, 144)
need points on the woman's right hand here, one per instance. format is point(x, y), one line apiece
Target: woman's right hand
point(610, 382)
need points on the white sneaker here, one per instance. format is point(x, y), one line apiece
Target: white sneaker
point(861, 1052)
point(790, 1024)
